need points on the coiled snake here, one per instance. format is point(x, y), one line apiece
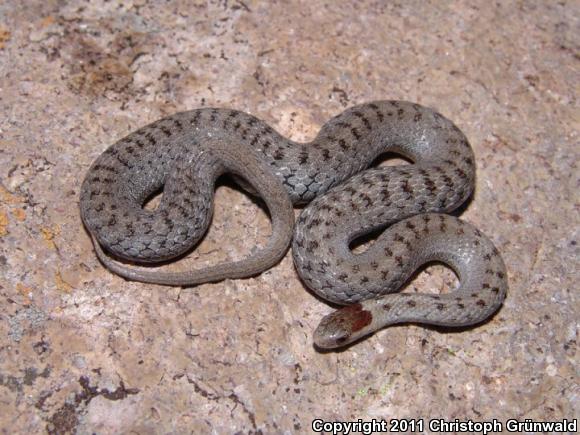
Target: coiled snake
point(185, 153)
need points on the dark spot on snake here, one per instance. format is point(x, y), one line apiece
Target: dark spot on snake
point(312, 245)
point(124, 162)
point(384, 274)
point(430, 187)
point(166, 131)
point(500, 275)
point(130, 229)
point(485, 285)
point(388, 252)
point(386, 307)
point(440, 307)
point(367, 199)
point(313, 223)
point(342, 277)
point(461, 305)
point(411, 303)
point(278, 154)
point(481, 303)
point(495, 289)
point(151, 139)
point(182, 211)
point(364, 279)
point(255, 140)
point(385, 194)
point(364, 120)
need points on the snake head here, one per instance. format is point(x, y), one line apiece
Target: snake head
point(342, 327)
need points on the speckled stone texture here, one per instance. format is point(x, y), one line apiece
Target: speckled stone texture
point(84, 351)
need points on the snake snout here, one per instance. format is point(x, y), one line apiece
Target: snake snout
point(330, 334)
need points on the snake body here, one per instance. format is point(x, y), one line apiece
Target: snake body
point(185, 153)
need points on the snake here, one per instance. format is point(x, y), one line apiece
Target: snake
point(345, 195)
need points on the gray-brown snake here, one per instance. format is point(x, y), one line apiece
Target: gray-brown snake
point(185, 153)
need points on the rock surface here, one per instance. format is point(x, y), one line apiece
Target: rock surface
point(84, 351)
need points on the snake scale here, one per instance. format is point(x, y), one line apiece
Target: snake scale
point(185, 153)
